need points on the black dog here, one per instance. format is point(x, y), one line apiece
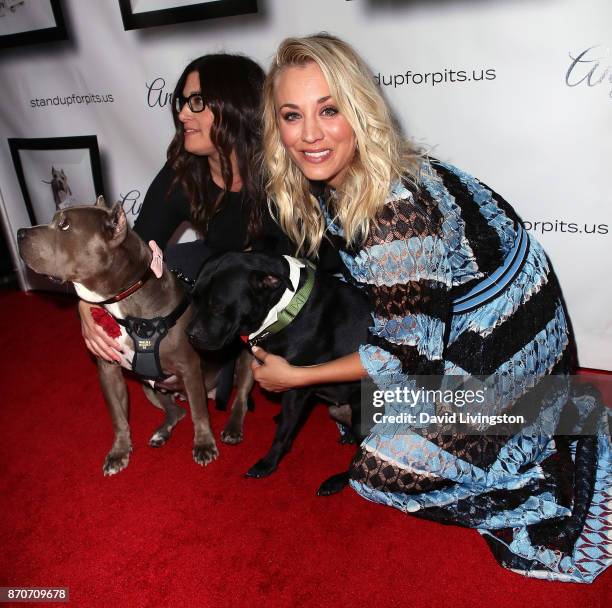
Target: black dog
point(234, 295)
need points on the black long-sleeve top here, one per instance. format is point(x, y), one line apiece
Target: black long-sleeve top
point(165, 208)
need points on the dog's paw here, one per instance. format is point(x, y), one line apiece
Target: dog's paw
point(334, 484)
point(262, 468)
point(158, 439)
point(114, 463)
point(162, 434)
point(231, 436)
point(203, 454)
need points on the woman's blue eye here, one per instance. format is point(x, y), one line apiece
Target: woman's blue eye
point(329, 111)
point(290, 116)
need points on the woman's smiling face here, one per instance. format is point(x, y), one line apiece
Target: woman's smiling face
point(317, 137)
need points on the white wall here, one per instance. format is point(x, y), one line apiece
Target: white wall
point(542, 144)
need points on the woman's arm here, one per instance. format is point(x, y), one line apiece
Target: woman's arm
point(162, 212)
point(275, 374)
point(406, 267)
point(99, 343)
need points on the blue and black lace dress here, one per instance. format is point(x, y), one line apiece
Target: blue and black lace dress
point(458, 287)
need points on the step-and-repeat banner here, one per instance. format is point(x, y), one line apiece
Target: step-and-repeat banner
point(517, 93)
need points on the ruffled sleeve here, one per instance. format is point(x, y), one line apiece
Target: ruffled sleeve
point(405, 266)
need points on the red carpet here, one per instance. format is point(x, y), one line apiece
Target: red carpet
point(166, 532)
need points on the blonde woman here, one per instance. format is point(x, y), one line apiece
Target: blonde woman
point(456, 287)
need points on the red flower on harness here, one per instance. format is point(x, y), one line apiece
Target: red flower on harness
point(106, 321)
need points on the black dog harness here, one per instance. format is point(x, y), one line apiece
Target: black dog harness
point(147, 335)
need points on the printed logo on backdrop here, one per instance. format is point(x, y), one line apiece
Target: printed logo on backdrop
point(76, 99)
point(131, 203)
point(158, 96)
point(440, 77)
point(561, 226)
point(591, 67)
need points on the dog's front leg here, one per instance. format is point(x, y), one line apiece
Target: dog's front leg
point(232, 433)
point(293, 412)
point(204, 446)
point(115, 394)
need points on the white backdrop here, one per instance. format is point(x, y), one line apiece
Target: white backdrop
point(517, 92)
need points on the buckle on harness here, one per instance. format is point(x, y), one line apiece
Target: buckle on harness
point(147, 335)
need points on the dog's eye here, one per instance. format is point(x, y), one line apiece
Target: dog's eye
point(215, 307)
point(63, 224)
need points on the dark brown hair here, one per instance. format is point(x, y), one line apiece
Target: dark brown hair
point(232, 88)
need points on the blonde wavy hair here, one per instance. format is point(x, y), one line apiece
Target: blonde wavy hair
point(381, 156)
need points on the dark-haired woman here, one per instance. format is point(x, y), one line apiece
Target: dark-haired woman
point(210, 179)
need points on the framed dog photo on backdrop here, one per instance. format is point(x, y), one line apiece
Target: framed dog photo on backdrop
point(55, 173)
point(149, 13)
point(31, 22)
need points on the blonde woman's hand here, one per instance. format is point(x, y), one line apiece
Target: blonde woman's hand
point(274, 373)
point(99, 343)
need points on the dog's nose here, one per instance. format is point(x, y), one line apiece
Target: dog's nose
point(21, 234)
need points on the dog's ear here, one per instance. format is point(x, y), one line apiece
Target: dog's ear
point(263, 281)
point(101, 202)
point(116, 224)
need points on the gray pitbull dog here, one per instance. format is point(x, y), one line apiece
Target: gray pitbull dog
point(93, 247)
